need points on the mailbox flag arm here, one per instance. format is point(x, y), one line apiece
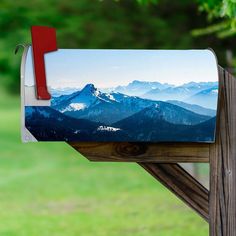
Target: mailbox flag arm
point(43, 41)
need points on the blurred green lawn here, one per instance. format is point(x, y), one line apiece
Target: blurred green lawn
point(48, 189)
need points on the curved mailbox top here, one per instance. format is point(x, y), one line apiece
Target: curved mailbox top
point(122, 95)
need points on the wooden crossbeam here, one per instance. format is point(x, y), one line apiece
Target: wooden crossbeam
point(182, 184)
point(144, 152)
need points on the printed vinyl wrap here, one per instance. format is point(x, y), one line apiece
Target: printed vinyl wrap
point(122, 96)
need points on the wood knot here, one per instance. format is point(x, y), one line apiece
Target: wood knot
point(131, 149)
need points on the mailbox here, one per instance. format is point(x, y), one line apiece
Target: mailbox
point(122, 95)
point(117, 95)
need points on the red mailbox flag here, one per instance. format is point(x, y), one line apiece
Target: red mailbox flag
point(43, 41)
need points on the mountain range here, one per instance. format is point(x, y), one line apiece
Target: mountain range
point(187, 93)
point(198, 93)
point(91, 104)
point(92, 115)
point(207, 98)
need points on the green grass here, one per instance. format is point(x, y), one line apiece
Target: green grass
point(48, 189)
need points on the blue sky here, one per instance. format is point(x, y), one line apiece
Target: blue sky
point(110, 68)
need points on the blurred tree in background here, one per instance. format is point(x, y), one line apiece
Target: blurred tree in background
point(134, 24)
point(225, 12)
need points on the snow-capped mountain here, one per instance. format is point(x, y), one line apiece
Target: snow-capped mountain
point(81, 100)
point(137, 88)
point(90, 103)
point(108, 108)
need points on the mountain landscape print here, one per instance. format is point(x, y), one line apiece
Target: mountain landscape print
point(105, 96)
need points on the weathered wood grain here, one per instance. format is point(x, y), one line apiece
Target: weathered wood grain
point(223, 162)
point(182, 184)
point(144, 152)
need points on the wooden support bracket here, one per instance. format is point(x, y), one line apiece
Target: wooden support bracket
point(182, 184)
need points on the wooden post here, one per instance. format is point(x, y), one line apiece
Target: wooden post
point(223, 162)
